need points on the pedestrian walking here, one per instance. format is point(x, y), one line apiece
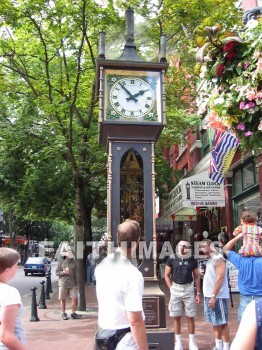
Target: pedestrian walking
point(119, 288)
point(181, 273)
point(68, 284)
point(11, 307)
point(91, 264)
point(249, 274)
point(216, 293)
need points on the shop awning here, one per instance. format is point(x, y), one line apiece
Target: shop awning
point(191, 193)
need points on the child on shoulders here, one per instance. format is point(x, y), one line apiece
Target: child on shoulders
point(251, 234)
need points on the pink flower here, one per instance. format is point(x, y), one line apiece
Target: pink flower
point(259, 95)
point(214, 121)
point(202, 109)
point(249, 105)
point(248, 133)
point(251, 95)
point(247, 64)
point(259, 64)
point(241, 126)
point(242, 105)
point(260, 125)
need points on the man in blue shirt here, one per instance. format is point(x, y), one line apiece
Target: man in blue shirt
point(249, 274)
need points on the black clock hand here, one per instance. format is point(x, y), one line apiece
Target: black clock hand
point(129, 93)
point(141, 92)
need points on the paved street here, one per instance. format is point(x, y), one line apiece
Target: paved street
point(25, 283)
point(54, 334)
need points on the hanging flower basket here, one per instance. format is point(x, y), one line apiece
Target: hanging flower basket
point(230, 78)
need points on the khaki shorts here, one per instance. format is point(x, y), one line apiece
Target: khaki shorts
point(67, 292)
point(182, 300)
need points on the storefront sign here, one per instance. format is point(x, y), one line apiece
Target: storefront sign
point(194, 191)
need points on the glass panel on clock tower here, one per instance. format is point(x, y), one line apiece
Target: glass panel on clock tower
point(131, 188)
point(132, 96)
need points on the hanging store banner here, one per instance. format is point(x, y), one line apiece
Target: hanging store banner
point(192, 192)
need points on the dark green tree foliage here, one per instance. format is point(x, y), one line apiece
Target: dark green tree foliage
point(48, 107)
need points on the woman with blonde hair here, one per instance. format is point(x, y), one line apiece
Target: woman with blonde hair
point(11, 307)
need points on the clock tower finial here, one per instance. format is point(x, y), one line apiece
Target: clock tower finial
point(129, 35)
point(130, 53)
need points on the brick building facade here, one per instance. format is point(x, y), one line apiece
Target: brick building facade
point(242, 185)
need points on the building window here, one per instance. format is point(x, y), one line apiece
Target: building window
point(238, 182)
point(181, 148)
point(248, 176)
point(205, 140)
point(185, 170)
point(245, 178)
point(249, 203)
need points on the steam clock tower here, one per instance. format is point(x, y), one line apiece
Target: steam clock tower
point(131, 117)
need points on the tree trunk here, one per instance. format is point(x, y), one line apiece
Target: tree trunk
point(11, 218)
point(88, 236)
point(79, 239)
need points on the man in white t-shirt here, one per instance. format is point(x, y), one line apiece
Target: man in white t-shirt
point(216, 293)
point(119, 288)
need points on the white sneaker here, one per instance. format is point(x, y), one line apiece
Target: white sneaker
point(192, 346)
point(178, 346)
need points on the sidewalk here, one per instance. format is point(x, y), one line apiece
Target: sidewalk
point(52, 333)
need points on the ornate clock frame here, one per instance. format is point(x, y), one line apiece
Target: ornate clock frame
point(111, 124)
point(125, 128)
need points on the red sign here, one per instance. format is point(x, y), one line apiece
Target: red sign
point(18, 240)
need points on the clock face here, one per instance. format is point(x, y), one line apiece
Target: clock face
point(132, 97)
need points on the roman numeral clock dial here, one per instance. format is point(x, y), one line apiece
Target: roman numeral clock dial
point(132, 98)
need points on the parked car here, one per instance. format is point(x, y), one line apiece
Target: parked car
point(37, 265)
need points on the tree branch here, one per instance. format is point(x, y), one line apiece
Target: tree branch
point(46, 60)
